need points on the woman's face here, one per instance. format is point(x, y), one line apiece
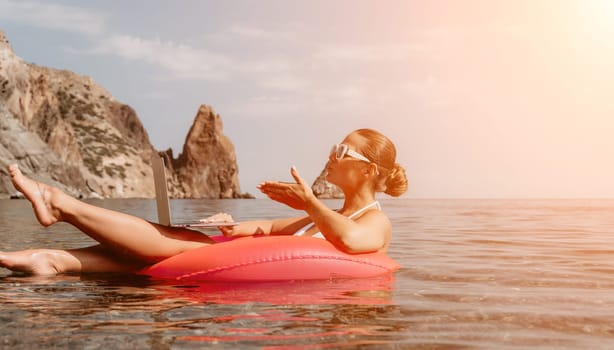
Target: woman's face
point(347, 170)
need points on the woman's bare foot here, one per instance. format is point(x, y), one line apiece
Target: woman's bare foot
point(32, 262)
point(40, 195)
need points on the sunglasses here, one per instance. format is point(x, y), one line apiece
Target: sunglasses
point(341, 150)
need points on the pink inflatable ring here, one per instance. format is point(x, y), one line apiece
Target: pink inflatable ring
point(270, 258)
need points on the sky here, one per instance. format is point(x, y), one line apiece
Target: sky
point(483, 99)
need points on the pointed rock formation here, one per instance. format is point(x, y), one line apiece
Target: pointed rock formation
point(324, 189)
point(207, 167)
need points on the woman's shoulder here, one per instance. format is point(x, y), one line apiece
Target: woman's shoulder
point(375, 216)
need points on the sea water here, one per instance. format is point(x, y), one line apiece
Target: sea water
point(476, 274)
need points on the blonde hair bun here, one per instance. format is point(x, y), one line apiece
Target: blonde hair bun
point(396, 181)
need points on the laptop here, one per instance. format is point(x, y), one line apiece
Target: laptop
point(162, 199)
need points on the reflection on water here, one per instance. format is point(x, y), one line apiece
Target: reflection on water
point(493, 274)
point(371, 291)
point(127, 309)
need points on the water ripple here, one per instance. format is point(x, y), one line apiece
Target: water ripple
point(476, 274)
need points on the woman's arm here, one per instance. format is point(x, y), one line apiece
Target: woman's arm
point(286, 226)
point(371, 232)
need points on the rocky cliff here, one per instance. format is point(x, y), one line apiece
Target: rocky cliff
point(65, 129)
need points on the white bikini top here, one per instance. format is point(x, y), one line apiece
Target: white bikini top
point(305, 228)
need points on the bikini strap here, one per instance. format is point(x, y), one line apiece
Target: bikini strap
point(376, 204)
point(365, 208)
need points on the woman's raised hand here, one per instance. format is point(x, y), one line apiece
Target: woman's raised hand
point(295, 195)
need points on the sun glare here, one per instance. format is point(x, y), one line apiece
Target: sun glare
point(600, 15)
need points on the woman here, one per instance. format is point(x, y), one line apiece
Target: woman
point(363, 164)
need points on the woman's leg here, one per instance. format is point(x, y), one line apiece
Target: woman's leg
point(122, 233)
point(53, 261)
